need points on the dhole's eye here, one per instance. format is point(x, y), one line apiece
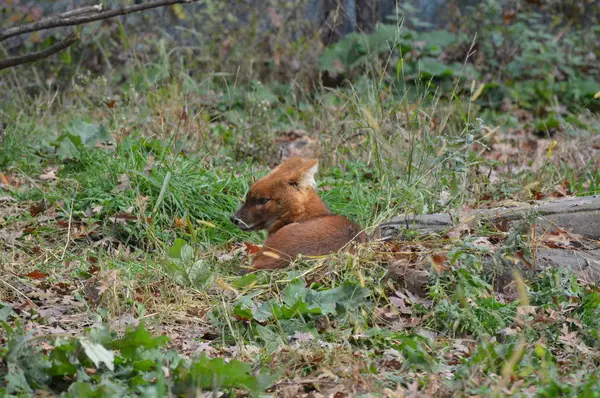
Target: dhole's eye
point(264, 200)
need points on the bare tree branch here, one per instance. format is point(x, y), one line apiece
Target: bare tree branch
point(31, 57)
point(80, 11)
point(61, 20)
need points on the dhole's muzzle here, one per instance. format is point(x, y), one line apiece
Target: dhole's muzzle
point(241, 219)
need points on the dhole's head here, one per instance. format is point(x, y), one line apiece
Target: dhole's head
point(283, 196)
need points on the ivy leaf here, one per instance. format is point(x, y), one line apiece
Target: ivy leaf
point(98, 354)
point(346, 297)
point(88, 133)
point(247, 280)
point(178, 250)
point(215, 374)
point(5, 311)
point(294, 292)
point(271, 337)
point(260, 312)
point(16, 381)
point(135, 339)
point(67, 150)
point(431, 67)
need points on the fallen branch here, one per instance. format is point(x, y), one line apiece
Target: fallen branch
point(577, 218)
point(36, 56)
point(584, 263)
point(580, 215)
point(72, 18)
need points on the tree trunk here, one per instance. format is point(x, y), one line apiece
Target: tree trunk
point(366, 15)
point(334, 15)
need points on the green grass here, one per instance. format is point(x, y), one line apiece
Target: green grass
point(140, 229)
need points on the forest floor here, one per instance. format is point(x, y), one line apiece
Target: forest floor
point(122, 274)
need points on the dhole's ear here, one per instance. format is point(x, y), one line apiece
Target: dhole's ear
point(307, 173)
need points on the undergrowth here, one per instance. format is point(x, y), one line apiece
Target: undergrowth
point(123, 273)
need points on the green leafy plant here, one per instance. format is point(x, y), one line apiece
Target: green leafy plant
point(76, 136)
point(298, 301)
point(184, 270)
point(134, 362)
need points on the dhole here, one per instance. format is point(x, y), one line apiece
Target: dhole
point(286, 204)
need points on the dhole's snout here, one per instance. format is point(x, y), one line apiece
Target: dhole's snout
point(237, 219)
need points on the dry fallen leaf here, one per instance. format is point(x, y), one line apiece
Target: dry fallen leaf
point(108, 279)
point(230, 254)
point(438, 261)
point(5, 179)
point(561, 238)
point(46, 347)
point(97, 285)
point(49, 174)
point(36, 275)
point(124, 182)
point(251, 248)
point(10, 236)
point(295, 143)
point(417, 281)
point(483, 242)
point(38, 208)
point(457, 231)
point(400, 305)
point(124, 217)
point(179, 222)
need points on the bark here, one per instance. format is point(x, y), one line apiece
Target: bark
point(36, 56)
point(78, 16)
point(334, 15)
point(366, 15)
point(579, 215)
point(75, 17)
point(576, 215)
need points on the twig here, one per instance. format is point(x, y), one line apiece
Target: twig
point(79, 11)
point(59, 20)
point(36, 56)
point(20, 293)
point(68, 233)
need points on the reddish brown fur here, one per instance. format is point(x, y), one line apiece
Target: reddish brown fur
point(298, 222)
